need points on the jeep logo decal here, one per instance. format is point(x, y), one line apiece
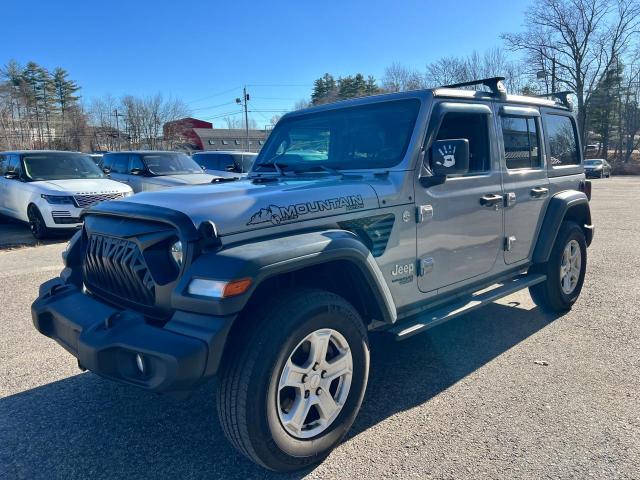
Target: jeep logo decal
point(277, 214)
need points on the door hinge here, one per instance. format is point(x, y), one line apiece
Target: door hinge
point(424, 213)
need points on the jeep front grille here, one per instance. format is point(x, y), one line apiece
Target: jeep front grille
point(117, 267)
point(83, 201)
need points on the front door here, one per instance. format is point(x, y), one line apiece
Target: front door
point(526, 185)
point(459, 229)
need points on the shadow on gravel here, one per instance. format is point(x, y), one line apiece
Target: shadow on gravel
point(15, 234)
point(87, 427)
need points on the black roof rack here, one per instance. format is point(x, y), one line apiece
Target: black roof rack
point(561, 97)
point(494, 83)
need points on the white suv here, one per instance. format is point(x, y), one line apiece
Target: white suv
point(49, 189)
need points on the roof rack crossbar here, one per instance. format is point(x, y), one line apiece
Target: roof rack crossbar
point(494, 83)
point(561, 97)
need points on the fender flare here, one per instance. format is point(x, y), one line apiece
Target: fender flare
point(572, 203)
point(266, 258)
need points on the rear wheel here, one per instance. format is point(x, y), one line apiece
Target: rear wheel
point(565, 271)
point(290, 391)
point(37, 226)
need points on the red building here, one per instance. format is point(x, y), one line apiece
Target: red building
point(184, 130)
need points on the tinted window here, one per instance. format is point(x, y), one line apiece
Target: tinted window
point(135, 162)
point(473, 127)
point(13, 163)
point(218, 161)
point(521, 142)
point(107, 161)
point(120, 164)
point(3, 164)
point(58, 166)
point(369, 136)
point(170, 163)
point(563, 148)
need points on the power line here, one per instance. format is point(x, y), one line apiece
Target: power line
point(213, 95)
point(210, 107)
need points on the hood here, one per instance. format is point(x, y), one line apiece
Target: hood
point(83, 186)
point(243, 205)
point(177, 180)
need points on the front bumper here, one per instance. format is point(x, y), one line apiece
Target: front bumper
point(176, 357)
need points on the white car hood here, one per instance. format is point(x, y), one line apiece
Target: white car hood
point(83, 186)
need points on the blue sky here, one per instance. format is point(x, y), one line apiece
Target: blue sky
point(204, 51)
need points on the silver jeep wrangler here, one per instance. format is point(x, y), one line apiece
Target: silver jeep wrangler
point(389, 213)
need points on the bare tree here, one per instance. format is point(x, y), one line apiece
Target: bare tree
point(398, 78)
point(579, 38)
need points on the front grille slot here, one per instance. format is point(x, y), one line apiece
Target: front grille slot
point(84, 201)
point(117, 267)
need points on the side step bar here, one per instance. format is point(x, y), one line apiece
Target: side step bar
point(439, 315)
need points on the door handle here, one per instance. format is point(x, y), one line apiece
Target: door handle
point(491, 200)
point(539, 192)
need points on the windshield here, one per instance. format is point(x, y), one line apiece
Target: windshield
point(237, 162)
point(593, 162)
point(368, 136)
point(59, 166)
point(170, 164)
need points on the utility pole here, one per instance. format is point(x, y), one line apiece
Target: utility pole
point(116, 114)
point(243, 102)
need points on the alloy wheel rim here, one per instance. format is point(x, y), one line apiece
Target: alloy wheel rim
point(34, 222)
point(570, 267)
point(314, 383)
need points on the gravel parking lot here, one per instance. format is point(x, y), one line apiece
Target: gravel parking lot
point(505, 392)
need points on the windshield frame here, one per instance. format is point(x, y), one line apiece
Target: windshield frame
point(414, 128)
point(25, 175)
point(143, 157)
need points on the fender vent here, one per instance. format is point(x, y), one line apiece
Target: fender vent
point(374, 231)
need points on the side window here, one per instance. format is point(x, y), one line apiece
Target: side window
point(563, 147)
point(135, 162)
point(120, 164)
point(107, 162)
point(521, 142)
point(13, 164)
point(473, 127)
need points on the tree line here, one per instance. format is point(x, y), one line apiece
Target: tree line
point(42, 109)
point(589, 47)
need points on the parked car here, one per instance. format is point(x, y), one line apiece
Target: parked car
point(597, 168)
point(391, 213)
point(49, 189)
point(154, 170)
point(225, 164)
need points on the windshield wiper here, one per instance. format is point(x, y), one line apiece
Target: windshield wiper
point(278, 167)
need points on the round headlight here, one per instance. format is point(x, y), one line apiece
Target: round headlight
point(176, 252)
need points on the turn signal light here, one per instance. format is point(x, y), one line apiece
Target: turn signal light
point(236, 287)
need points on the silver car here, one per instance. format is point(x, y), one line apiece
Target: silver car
point(227, 164)
point(154, 170)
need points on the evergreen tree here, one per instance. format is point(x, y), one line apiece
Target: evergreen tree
point(64, 93)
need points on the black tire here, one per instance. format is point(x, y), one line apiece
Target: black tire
point(246, 396)
point(549, 295)
point(37, 226)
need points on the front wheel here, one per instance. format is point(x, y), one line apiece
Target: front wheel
point(565, 271)
point(37, 226)
point(290, 390)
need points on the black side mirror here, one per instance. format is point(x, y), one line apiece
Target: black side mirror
point(11, 175)
point(450, 157)
point(230, 168)
point(106, 170)
point(136, 171)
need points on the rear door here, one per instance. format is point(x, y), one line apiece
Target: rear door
point(525, 181)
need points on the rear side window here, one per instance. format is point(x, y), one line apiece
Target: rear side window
point(473, 127)
point(563, 147)
point(521, 142)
